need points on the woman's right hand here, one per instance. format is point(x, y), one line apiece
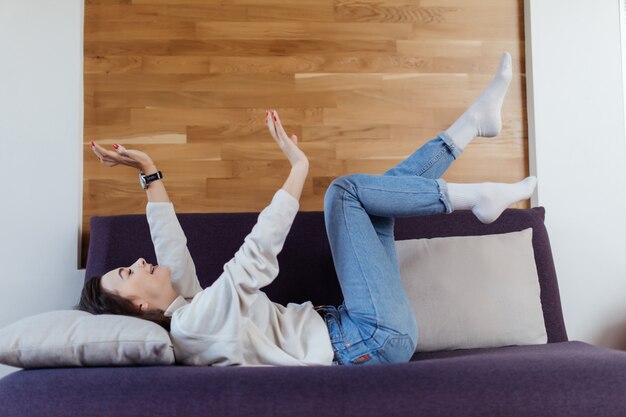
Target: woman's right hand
point(130, 157)
point(289, 145)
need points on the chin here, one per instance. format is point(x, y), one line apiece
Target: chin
point(166, 271)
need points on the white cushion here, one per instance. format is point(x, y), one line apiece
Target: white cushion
point(77, 338)
point(473, 291)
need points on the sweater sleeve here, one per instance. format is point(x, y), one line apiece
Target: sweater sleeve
point(170, 246)
point(255, 264)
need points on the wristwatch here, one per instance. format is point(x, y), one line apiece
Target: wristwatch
point(145, 180)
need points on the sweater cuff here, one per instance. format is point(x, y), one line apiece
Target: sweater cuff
point(284, 195)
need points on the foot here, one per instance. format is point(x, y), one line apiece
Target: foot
point(487, 108)
point(494, 197)
point(483, 117)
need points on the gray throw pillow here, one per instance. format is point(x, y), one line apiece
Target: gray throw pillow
point(473, 291)
point(66, 338)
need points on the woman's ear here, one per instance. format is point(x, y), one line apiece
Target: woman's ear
point(142, 306)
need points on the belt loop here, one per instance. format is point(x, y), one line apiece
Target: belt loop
point(321, 311)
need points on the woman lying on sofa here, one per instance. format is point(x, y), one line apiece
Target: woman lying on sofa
point(233, 322)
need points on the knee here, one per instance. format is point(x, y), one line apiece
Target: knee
point(345, 181)
point(337, 187)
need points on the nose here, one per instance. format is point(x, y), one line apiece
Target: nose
point(142, 263)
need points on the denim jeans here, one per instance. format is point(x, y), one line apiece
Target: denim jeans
point(375, 323)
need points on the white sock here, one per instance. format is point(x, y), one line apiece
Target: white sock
point(487, 200)
point(483, 117)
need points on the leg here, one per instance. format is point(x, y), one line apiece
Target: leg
point(482, 118)
point(375, 307)
point(376, 321)
point(360, 211)
point(431, 160)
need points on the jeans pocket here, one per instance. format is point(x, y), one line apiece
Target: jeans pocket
point(396, 349)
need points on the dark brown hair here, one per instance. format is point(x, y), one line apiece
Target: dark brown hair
point(96, 300)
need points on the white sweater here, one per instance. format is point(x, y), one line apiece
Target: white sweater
point(233, 322)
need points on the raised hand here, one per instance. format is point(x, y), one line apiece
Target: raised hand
point(289, 145)
point(130, 157)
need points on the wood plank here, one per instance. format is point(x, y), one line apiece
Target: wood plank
point(103, 48)
point(121, 133)
point(390, 11)
point(269, 149)
point(336, 82)
point(155, 116)
point(176, 65)
point(305, 11)
point(304, 30)
point(115, 30)
point(101, 117)
point(235, 133)
point(342, 132)
point(173, 12)
point(113, 64)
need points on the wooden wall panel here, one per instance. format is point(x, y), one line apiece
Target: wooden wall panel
point(362, 84)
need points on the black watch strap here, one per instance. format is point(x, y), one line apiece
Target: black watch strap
point(152, 177)
point(147, 179)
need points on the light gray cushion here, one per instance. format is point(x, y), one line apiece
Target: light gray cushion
point(473, 291)
point(77, 338)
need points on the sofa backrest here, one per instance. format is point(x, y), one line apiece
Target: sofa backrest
point(307, 272)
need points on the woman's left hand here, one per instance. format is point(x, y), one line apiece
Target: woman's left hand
point(130, 157)
point(289, 145)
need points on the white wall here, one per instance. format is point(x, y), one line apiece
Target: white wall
point(577, 138)
point(40, 156)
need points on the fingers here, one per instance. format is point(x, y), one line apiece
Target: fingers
point(102, 154)
point(279, 126)
point(277, 130)
point(128, 156)
point(112, 158)
point(272, 127)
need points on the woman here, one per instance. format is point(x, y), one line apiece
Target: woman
point(234, 322)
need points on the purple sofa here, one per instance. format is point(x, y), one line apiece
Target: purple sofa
point(561, 378)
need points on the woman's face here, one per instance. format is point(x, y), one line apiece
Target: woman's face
point(140, 283)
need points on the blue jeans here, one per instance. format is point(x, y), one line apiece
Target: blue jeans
point(375, 323)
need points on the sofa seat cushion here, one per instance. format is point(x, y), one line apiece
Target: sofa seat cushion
point(556, 379)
